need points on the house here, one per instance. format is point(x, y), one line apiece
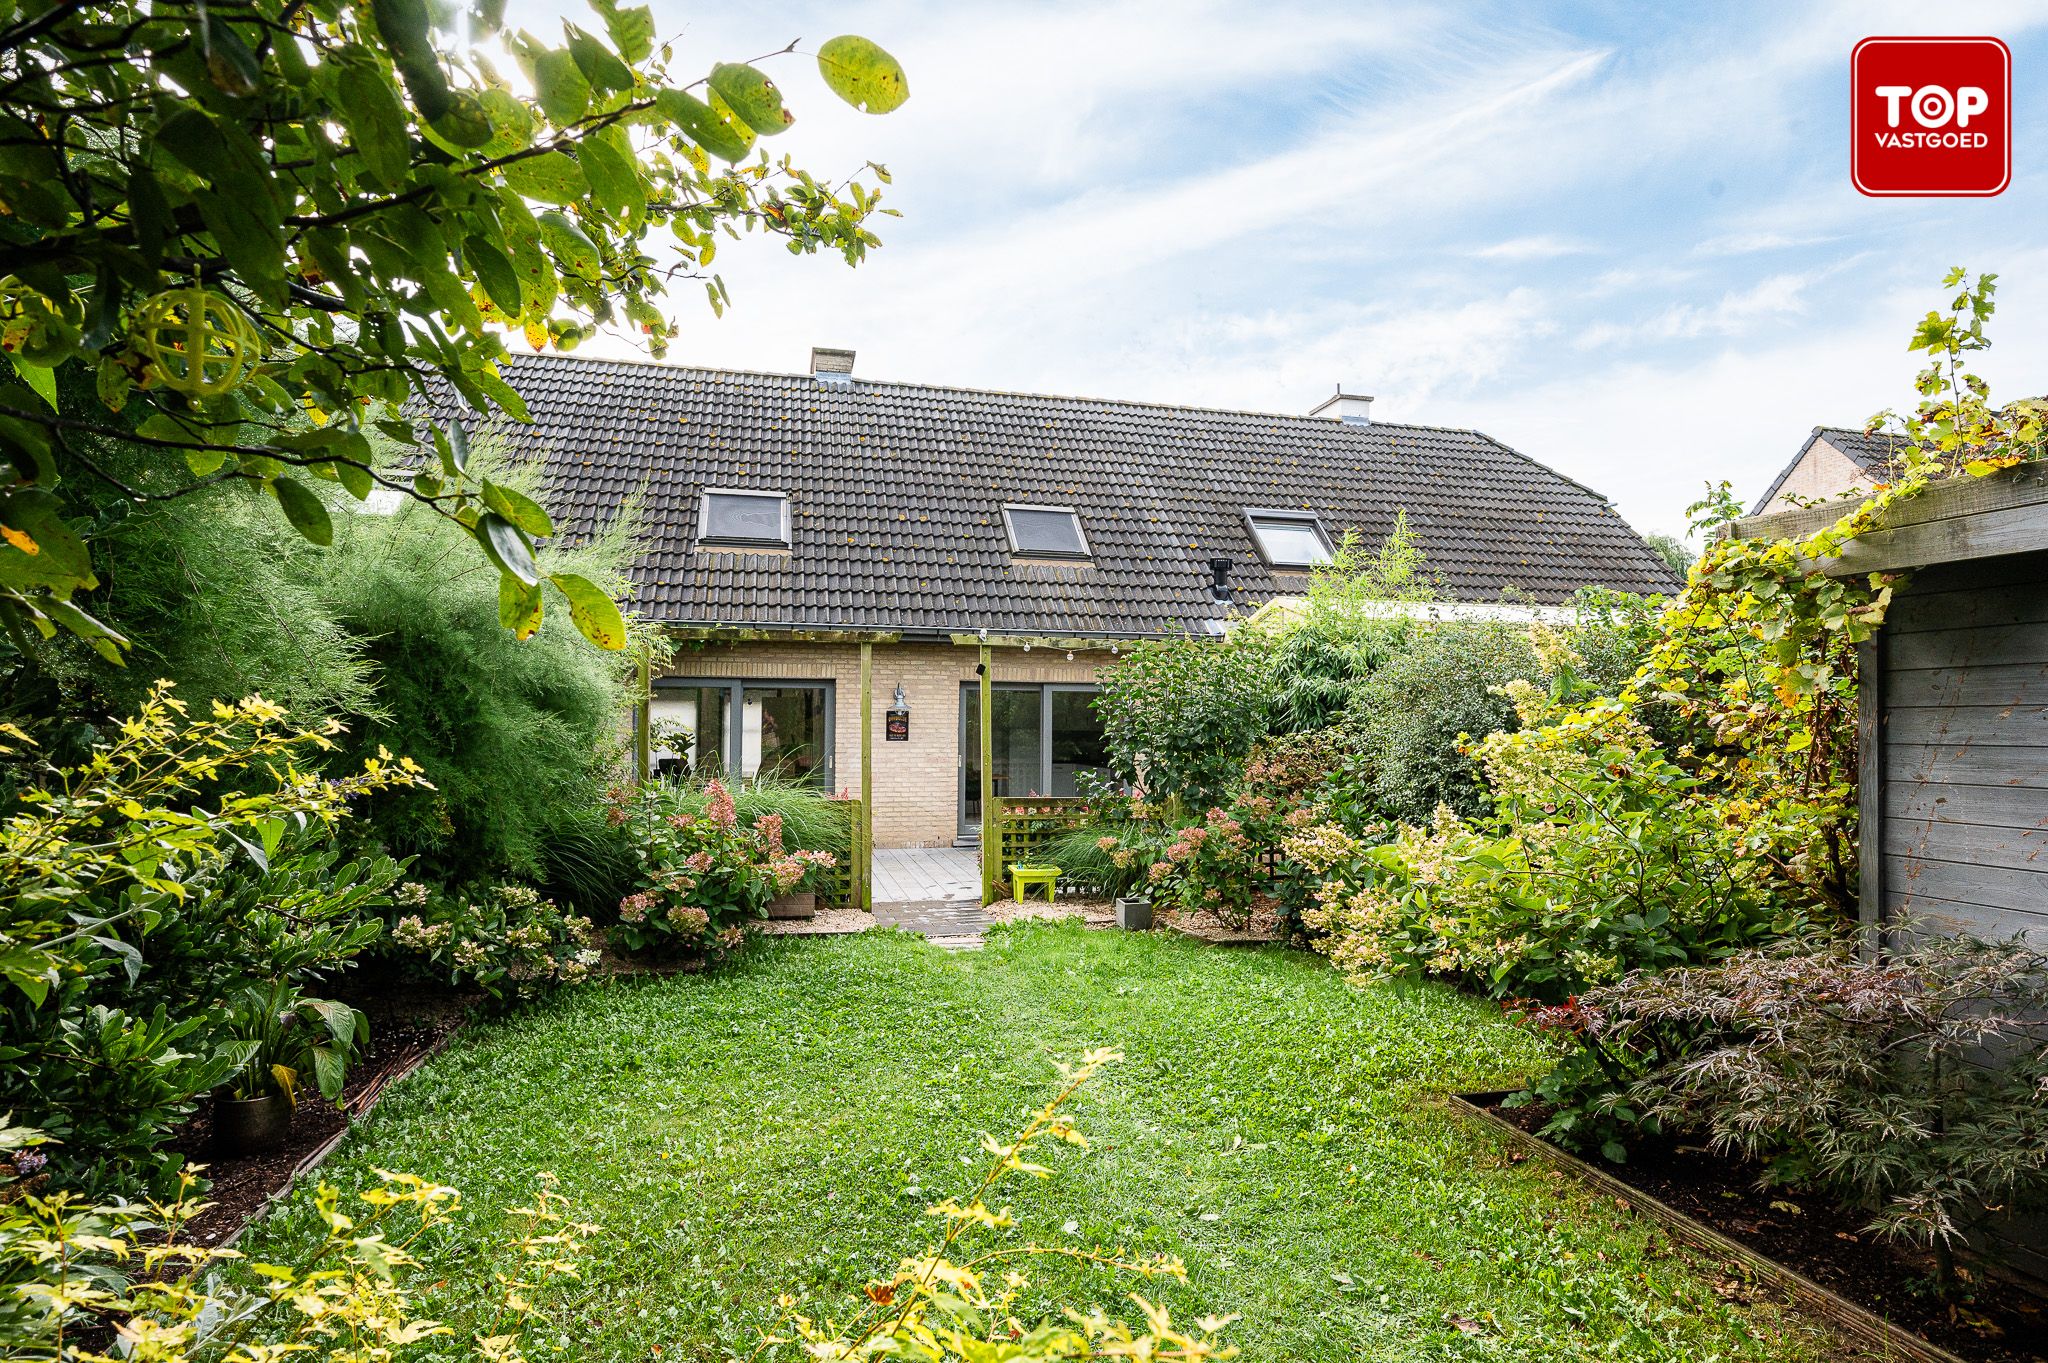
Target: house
point(1834, 462)
point(822, 546)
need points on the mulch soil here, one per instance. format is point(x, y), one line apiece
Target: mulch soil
point(2003, 1321)
point(402, 1029)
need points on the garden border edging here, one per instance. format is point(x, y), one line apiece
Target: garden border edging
point(317, 1156)
point(1865, 1328)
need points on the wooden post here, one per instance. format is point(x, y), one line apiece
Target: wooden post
point(643, 722)
point(864, 830)
point(991, 826)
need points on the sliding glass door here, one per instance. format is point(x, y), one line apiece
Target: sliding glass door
point(744, 730)
point(1041, 738)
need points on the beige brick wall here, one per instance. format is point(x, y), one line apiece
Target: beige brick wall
point(916, 783)
point(1824, 473)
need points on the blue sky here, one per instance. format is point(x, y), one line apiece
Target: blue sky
point(1620, 238)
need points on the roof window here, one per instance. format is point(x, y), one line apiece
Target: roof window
point(743, 519)
point(1289, 539)
point(1045, 531)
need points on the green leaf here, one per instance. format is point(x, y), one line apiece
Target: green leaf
point(37, 548)
point(749, 93)
point(599, 64)
point(552, 177)
point(519, 606)
point(613, 174)
point(456, 456)
point(517, 508)
point(594, 613)
point(36, 376)
point(507, 547)
point(304, 509)
point(104, 641)
point(563, 90)
point(863, 74)
point(375, 117)
point(354, 477)
point(465, 124)
point(716, 129)
point(493, 270)
point(573, 251)
point(631, 30)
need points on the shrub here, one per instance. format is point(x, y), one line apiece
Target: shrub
point(1210, 866)
point(519, 736)
point(504, 939)
point(1913, 1082)
point(1600, 858)
point(100, 858)
point(704, 872)
point(282, 1039)
point(1413, 714)
point(1179, 718)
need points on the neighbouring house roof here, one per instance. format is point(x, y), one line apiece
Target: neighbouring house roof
point(896, 494)
point(1870, 453)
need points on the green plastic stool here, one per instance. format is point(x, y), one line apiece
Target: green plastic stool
point(1022, 878)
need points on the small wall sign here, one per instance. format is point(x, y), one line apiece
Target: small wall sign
point(896, 726)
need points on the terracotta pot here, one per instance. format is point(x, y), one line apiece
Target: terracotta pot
point(244, 1126)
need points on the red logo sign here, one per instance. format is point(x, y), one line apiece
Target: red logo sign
point(1931, 116)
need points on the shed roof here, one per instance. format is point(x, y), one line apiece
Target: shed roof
point(896, 493)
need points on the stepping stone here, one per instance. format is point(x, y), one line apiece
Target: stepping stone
point(950, 924)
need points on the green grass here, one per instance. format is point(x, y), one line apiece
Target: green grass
point(781, 1123)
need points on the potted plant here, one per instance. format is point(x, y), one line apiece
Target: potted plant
point(1134, 913)
point(281, 1039)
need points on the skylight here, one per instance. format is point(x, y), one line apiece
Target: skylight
point(744, 519)
point(1289, 539)
point(1046, 531)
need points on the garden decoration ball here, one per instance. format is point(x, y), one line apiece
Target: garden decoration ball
point(199, 343)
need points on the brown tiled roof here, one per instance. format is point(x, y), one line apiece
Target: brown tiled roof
point(896, 493)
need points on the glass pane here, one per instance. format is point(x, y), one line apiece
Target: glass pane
point(1016, 755)
point(1296, 543)
point(686, 731)
point(1046, 532)
point(782, 732)
point(1076, 740)
point(736, 516)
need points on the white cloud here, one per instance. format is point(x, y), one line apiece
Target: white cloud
point(1546, 247)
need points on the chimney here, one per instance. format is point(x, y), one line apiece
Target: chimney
point(1219, 586)
point(832, 368)
point(1353, 409)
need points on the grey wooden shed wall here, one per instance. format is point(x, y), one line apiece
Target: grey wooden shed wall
point(1956, 751)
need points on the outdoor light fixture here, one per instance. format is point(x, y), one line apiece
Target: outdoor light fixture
point(1027, 646)
point(1070, 655)
point(982, 634)
point(899, 703)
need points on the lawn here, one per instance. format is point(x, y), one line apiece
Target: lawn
point(780, 1124)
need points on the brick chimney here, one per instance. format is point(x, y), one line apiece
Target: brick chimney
point(832, 368)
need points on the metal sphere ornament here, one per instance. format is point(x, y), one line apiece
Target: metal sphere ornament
point(198, 342)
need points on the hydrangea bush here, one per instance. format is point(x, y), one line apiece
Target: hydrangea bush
point(505, 940)
point(704, 873)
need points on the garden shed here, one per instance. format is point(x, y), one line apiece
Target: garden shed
point(1954, 731)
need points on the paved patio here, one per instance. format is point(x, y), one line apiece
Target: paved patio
point(923, 875)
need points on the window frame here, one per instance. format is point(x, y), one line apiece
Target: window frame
point(734, 738)
point(1085, 554)
point(1294, 516)
point(707, 540)
point(971, 689)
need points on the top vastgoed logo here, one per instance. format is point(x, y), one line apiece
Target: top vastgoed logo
point(1930, 116)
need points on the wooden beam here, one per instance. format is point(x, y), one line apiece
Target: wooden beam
point(1870, 735)
point(1951, 521)
point(991, 835)
point(642, 723)
point(1060, 641)
point(864, 833)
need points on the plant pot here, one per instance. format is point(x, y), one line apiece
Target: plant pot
point(1134, 914)
point(796, 904)
point(243, 1126)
